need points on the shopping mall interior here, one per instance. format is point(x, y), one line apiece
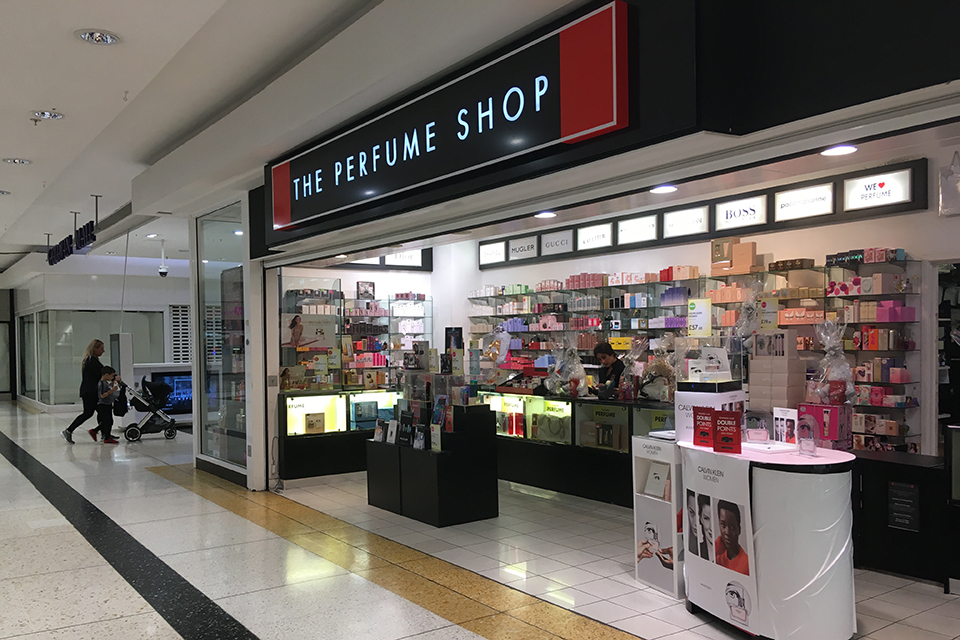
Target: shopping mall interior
point(420, 319)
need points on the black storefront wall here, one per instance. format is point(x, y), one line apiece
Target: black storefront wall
point(693, 66)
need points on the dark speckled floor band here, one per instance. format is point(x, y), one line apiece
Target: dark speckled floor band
point(192, 614)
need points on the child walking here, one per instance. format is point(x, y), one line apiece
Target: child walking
point(108, 390)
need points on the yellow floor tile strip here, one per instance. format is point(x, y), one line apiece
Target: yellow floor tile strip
point(485, 607)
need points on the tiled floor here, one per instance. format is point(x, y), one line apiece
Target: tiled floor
point(286, 571)
point(577, 554)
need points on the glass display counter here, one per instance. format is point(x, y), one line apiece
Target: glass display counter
point(531, 417)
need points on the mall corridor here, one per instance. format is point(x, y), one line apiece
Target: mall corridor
point(127, 541)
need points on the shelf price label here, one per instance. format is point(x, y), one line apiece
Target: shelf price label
point(699, 320)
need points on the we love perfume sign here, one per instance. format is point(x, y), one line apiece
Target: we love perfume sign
point(877, 190)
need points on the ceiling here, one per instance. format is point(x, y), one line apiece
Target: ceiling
point(181, 65)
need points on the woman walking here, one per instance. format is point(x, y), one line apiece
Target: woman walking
point(91, 371)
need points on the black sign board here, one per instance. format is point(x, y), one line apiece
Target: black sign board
point(563, 87)
point(903, 506)
point(82, 237)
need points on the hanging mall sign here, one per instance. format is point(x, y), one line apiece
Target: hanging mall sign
point(564, 87)
point(82, 238)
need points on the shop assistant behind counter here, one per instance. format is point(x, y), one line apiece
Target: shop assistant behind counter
point(611, 368)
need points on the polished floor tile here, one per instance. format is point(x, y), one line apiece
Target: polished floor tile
point(46, 554)
point(145, 626)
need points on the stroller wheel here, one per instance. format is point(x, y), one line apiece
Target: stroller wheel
point(132, 433)
point(170, 434)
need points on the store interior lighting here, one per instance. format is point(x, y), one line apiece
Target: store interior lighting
point(839, 150)
point(663, 188)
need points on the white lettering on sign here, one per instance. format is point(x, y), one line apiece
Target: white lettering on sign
point(686, 222)
point(803, 203)
point(521, 248)
point(877, 190)
point(637, 230)
point(747, 212)
point(557, 242)
point(493, 252)
point(595, 237)
point(405, 259)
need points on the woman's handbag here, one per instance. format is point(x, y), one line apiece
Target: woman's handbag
point(120, 405)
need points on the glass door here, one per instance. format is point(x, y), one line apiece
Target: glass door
point(222, 420)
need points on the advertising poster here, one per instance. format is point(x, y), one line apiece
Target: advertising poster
point(785, 425)
point(656, 517)
point(718, 526)
point(307, 332)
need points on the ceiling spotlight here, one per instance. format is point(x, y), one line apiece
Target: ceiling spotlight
point(342, 255)
point(150, 235)
point(663, 188)
point(544, 215)
point(839, 150)
point(238, 232)
point(97, 36)
point(16, 161)
point(48, 115)
point(4, 193)
point(111, 253)
point(204, 261)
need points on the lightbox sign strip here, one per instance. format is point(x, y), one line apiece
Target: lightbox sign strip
point(556, 243)
point(637, 230)
point(686, 222)
point(404, 259)
point(595, 237)
point(808, 202)
point(521, 248)
point(565, 87)
point(877, 190)
point(748, 212)
point(493, 253)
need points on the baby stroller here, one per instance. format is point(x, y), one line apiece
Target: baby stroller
point(151, 397)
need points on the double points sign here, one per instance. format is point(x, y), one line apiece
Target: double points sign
point(567, 86)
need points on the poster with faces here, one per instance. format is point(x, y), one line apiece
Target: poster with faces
point(718, 536)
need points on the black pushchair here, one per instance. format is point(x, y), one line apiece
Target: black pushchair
point(150, 400)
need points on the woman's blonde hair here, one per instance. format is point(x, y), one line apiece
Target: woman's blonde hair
point(94, 344)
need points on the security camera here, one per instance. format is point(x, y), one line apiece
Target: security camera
point(163, 270)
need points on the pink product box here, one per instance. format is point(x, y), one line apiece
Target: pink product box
point(900, 376)
point(825, 421)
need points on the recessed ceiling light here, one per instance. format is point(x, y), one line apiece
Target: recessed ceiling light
point(97, 36)
point(4, 193)
point(111, 253)
point(839, 150)
point(151, 235)
point(48, 115)
point(342, 255)
point(204, 261)
point(663, 188)
point(16, 161)
point(238, 232)
point(543, 215)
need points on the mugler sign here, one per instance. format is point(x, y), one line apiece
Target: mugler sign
point(567, 86)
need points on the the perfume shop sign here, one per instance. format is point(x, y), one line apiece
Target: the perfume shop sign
point(81, 238)
point(566, 86)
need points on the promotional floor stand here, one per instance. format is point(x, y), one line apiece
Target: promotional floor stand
point(775, 552)
point(657, 501)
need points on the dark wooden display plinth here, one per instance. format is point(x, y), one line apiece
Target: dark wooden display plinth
point(914, 489)
point(324, 454)
point(596, 474)
point(440, 488)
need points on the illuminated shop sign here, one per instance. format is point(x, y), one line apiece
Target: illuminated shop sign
point(567, 86)
point(404, 259)
point(595, 237)
point(493, 252)
point(687, 222)
point(748, 212)
point(555, 243)
point(637, 230)
point(808, 202)
point(876, 190)
point(521, 248)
